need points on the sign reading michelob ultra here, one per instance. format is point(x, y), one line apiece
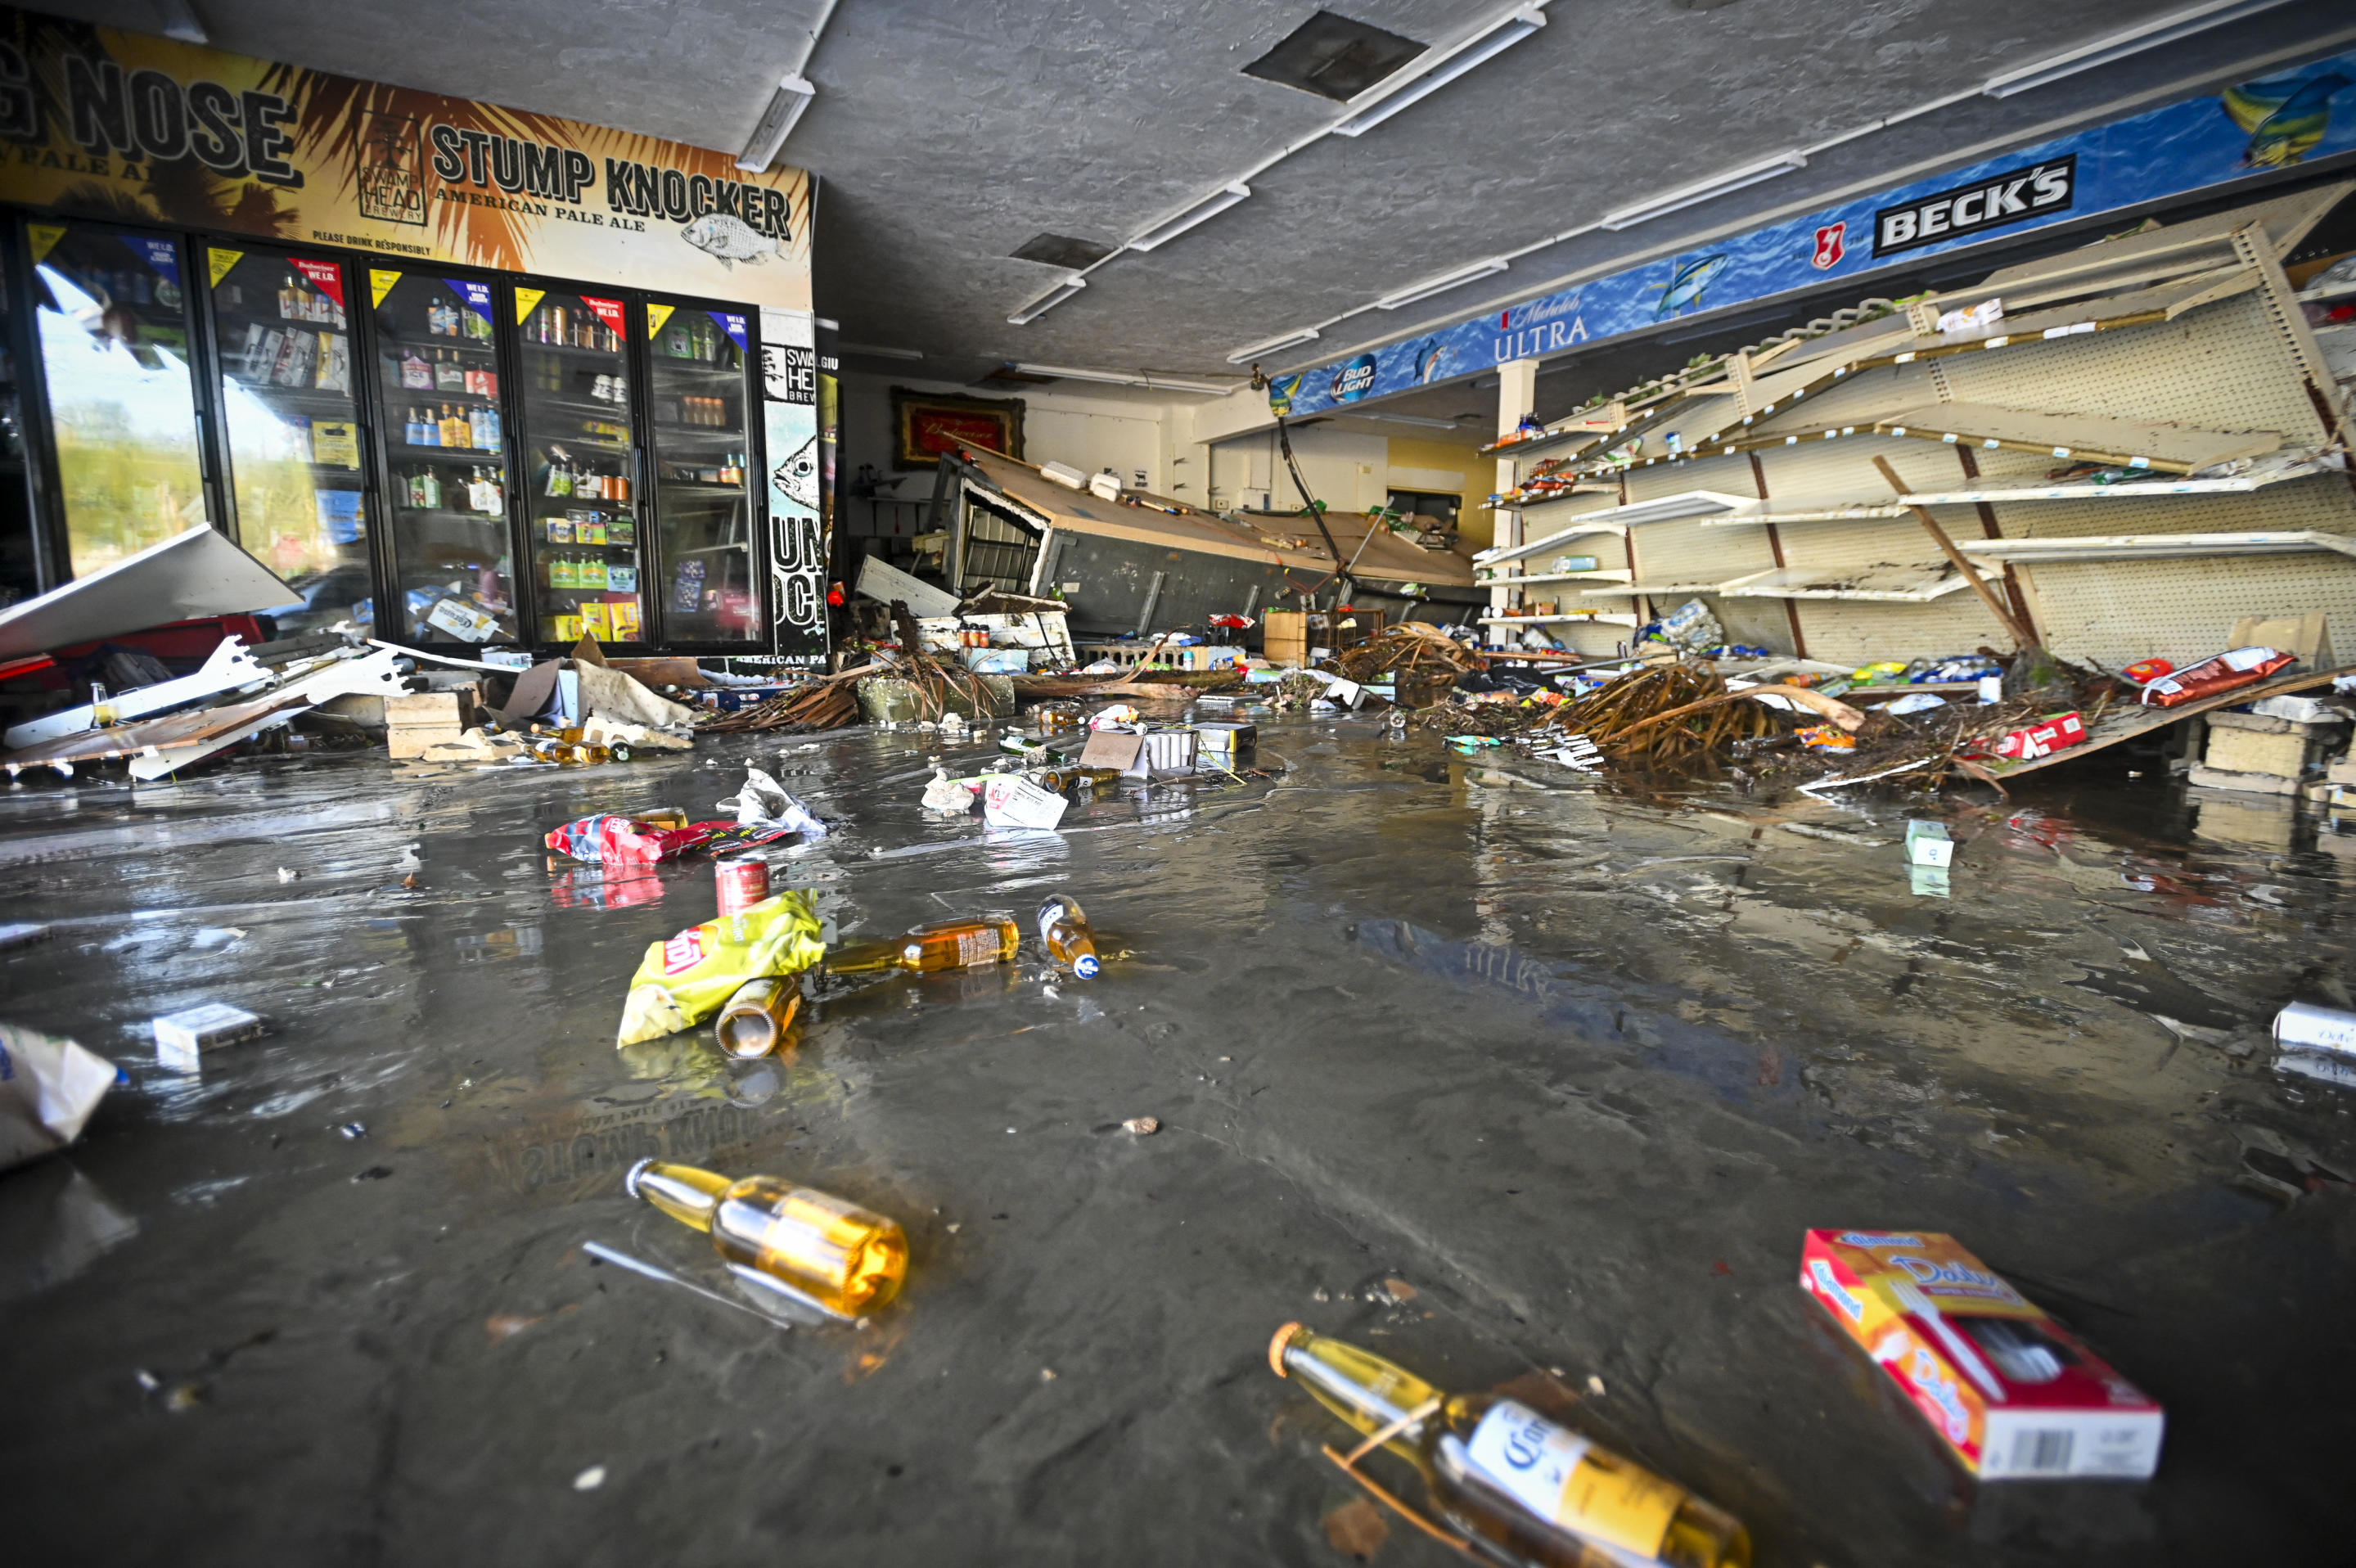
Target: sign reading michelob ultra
point(124, 126)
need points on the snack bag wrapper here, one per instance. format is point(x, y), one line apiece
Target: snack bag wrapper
point(48, 1087)
point(620, 841)
point(690, 977)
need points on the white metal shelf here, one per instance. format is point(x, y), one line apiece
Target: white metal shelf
point(1503, 553)
point(2160, 546)
point(1597, 619)
point(1888, 586)
point(1660, 508)
point(1617, 575)
point(1661, 590)
point(2264, 471)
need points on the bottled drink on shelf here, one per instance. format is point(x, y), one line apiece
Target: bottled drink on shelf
point(1529, 1490)
point(848, 1260)
point(1064, 932)
point(413, 431)
point(415, 373)
point(968, 943)
point(755, 1020)
point(449, 375)
point(591, 573)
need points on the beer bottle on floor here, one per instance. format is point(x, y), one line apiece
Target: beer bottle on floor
point(1529, 1490)
point(755, 1020)
point(967, 943)
point(847, 1259)
point(1064, 932)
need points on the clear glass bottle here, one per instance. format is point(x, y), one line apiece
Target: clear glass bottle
point(969, 943)
point(848, 1260)
point(1064, 932)
point(1529, 1490)
point(757, 1019)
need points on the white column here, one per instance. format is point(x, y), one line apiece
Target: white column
point(1517, 395)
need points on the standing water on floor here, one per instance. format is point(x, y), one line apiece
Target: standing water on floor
point(1526, 1083)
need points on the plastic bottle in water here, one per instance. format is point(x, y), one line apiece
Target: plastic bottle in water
point(1527, 1490)
point(1064, 932)
point(847, 1259)
point(944, 944)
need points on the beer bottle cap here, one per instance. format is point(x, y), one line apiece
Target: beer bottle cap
point(630, 1182)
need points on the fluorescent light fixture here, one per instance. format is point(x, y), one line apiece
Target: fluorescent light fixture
point(180, 21)
point(1510, 30)
point(1442, 284)
point(1201, 212)
point(786, 106)
point(873, 352)
point(1271, 345)
point(1127, 378)
point(1047, 302)
point(2162, 29)
point(1398, 419)
point(1707, 191)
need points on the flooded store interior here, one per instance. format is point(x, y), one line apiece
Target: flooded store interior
point(1608, 864)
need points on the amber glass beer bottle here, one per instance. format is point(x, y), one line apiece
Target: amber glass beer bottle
point(944, 944)
point(845, 1258)
point(1530, 1491)
point(1064, 932)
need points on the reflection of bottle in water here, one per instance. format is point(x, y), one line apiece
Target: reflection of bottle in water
point(1064, 932)
point(847, 1259)
point(1531, 1491)
point(943, 944)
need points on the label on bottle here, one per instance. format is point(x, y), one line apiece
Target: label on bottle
point(1542, 1466)
point(977, 947)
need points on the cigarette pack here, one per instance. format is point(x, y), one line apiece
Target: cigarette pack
point(2013, 1393)
point(2044, 738)
point(183, 1039)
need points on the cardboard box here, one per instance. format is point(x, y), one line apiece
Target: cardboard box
point(2042, 739)
point(1011, 801)
point(1284, 637)
point(453, 709)
point(2013, 1393)
point(183, 1039)
point(1927, 844)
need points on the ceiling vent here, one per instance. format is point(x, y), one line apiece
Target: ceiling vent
point(1334, 57)
point(1061, 251)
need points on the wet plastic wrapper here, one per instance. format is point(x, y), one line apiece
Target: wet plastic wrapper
point(2223, 672)
point(2013, 1393)
point(690, 977)
point(624, 841)
point(763, 803)
point(48, 1087)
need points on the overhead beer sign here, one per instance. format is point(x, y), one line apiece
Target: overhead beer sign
point(124, 126)
point(2014, 196)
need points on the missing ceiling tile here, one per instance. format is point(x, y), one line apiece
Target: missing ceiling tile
point(1061, 251)
point(1334, 57)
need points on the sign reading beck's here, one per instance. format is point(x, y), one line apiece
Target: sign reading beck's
point(2014, 196)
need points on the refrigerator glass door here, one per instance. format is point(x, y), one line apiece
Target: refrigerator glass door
point(581, 517)
point(20, 553)
point(446, 469)
point(292, 416)
point(698, 399)
point(111, 308)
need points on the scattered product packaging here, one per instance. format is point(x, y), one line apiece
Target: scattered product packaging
point(764, 802)
point(2223, 672)
point(1927, 844)
point(2317, 1042)
point(1827, 738)
point(48, 1087)
point(690, 977)
point(740, 883)
point(627, 841)
point(2050, 735)
point(183, 1039)
point(2144, 671)
point(1009, 800)
point(2013, 1393)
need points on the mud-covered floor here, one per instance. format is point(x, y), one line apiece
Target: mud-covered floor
point(1574, 1068)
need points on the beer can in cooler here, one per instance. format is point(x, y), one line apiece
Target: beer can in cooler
point(743, 883)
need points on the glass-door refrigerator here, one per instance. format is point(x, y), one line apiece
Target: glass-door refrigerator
point(581, 470)
point(21, 545)
point(697, 402)
point(446, 460)
point(112, 315)
point(291, 422)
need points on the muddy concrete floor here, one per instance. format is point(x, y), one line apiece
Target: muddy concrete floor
point(1515, 1080)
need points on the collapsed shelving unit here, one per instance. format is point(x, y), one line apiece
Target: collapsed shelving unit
point(2143, 444)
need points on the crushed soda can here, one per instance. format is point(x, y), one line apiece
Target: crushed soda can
point(2012, 1393)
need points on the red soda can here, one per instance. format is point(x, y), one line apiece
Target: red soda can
point(743, 883)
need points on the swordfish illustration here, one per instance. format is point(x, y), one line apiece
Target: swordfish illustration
point(2284, 117)
point(1685, 288)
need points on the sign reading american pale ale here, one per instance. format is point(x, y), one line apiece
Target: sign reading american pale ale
point(118, 125)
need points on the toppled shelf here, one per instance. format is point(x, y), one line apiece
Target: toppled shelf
point(1602, 574)
point(1894, 585)
point(2160, 546)
point(1504, 553)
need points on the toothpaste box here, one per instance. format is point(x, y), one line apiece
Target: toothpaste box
point(2014, 1394)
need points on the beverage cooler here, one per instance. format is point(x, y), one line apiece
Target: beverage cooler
point(460, 461)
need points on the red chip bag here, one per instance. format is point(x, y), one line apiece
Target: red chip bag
point(2223, 672)
point(2143, 672)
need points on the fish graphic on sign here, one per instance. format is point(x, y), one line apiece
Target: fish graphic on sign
point(729, 240)
point(1433, 359)
point(2284, 117)
point(796, 476)
point(1831, 245)
point(1685, 289)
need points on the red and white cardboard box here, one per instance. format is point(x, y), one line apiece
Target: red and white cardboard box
point(2012, 1393)
point(2044, 738)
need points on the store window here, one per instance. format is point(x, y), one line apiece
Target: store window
point(111, 309)
point(291, 411)
point(696, 376)
point(1438, 508)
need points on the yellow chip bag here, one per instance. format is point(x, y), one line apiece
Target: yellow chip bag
point(690, 977)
